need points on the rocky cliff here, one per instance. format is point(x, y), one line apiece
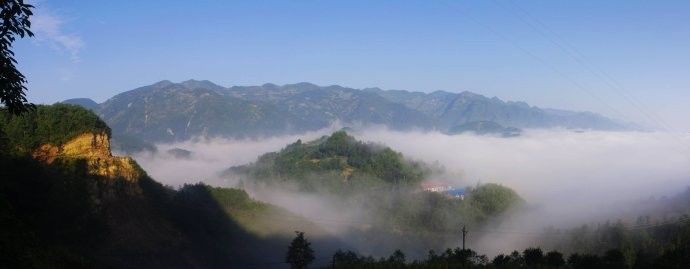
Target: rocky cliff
point(95, 149)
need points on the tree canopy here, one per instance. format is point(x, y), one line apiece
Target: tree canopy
point(299, 254)
point(340, 155)
point(54, 124)
point(15, 22)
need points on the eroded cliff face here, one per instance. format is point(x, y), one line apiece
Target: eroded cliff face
point(95, 149)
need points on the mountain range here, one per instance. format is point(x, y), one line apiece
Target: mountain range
point(167, 111)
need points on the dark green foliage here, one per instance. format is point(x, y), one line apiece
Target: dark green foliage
point(554, 259)
point(342, 158)
point(44, 209)
point(349, 259)
point(235, 199)
point(383, 183)
point(15, 22)
point(614, 259)
point(299, 254)
point(514, 260)
point(450, 258)
point(493, 198)
point(583, 261)
point(55, 124)
point(533, 257)
point(397, 258)
point(657, 239)
point(59, 216)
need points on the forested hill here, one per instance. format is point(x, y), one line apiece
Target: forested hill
point(69, 213)
point(63, 214)
point(167, 111)
point(336, 159)
point(382, 185)
point(54, 124)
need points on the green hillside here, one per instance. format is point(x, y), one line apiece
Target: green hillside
point(60, 215)
point(54, 124)
point(337, 161)
point(381, 184)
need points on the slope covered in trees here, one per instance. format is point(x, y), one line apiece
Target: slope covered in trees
point(54, 124)
point(335, 161)
point(381, 185)
point(62, 215)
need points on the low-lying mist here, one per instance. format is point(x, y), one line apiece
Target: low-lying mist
point(575, 173)
point(209, 157)
point(567, 178)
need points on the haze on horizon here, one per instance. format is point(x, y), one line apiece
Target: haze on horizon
point(623, 59)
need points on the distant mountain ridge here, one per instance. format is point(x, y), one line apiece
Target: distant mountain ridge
point(167, 111)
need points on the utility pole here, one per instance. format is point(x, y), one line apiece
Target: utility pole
point(464, 233)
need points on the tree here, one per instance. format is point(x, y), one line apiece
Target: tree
point(397, 258)
point(614, 259)
point(15, 22)
point(554, 259)
point(345, 258)
point(299, 253)
point(584, 261)
point(533, 256)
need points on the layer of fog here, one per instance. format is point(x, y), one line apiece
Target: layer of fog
point(211, 156)
point(568, 178)
point(573, 173)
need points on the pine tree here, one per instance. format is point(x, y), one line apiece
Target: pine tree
point(299, 253)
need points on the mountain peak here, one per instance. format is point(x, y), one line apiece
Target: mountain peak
point(372, 89)
point(302, 85)
point(83, 102)
point(271, 109)
point(162, 83)
point(205, 84)
point(269, 85)
point(470, 94)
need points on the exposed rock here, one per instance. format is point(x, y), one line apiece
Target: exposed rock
point(95, 149)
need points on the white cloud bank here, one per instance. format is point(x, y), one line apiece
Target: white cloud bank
point(591, 168)
point(210, 157)
point(567, 178)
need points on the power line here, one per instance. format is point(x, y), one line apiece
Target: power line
point(464, 231)
point(550, 66)
point(584, 61)
point(572, 52)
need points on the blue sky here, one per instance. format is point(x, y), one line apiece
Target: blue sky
point(625, 59)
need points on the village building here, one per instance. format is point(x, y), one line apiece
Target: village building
point(443, 188)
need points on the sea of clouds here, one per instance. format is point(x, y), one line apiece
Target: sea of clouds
point(567, 178)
